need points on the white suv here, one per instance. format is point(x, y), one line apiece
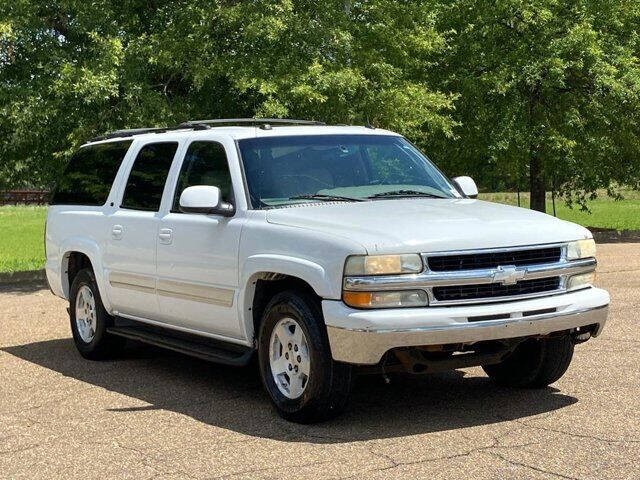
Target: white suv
point(323, 248)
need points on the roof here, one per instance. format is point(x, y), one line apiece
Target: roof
point(200, 129)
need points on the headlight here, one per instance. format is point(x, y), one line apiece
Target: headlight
point(582, 280)
point(581, 249)
point(383, 264)
point(403, 298)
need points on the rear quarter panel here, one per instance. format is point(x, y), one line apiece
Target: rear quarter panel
point(75, 229)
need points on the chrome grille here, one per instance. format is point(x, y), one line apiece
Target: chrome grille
point(449, 263)
point(494, 290)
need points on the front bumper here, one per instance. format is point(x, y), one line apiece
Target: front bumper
point(364, 336)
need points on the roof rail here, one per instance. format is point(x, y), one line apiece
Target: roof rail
point(264, 123)
point(130, 132)
point(254, 121)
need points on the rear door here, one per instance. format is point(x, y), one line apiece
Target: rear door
point(197, 261)
point(133, 229)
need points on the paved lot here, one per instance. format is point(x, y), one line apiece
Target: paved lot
point(154, 414)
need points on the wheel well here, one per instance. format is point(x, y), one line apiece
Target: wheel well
point(76, 262)
point(271, 284)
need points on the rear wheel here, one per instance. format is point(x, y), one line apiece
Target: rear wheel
point(535, 363)
point(89, 319)
point(297, 370)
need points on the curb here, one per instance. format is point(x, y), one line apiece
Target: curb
point(33, 276)
point(602, 235)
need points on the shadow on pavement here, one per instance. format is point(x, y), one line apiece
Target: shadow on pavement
point(232, 398)
point(24, 287)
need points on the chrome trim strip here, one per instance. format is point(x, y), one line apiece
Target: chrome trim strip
point(171, 288)
point(428, 279)
point(132, 281)
point(196, 292)
point(130, 286)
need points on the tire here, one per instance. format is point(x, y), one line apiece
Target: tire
point(100, 345)
point(535, 363)
point(325, 392)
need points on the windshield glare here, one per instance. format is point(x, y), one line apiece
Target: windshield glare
point(356, 166)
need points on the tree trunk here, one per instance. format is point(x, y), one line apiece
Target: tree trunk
point(536, 183)
point(536, 168)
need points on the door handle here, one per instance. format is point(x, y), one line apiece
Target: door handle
point(116, 232)
point(165, 236)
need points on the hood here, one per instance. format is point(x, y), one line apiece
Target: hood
point(429, 225)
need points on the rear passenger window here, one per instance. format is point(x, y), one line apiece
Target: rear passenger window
point(88, 178)
point(148, 175)
point(205, 163)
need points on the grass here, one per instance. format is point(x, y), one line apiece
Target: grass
point(22, 240)
point(22, 227)
point(604, 212)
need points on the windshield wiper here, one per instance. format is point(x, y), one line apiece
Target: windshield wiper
point(405, 193)
point(326, 198)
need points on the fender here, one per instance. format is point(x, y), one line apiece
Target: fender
point(311, 272)
point(92, 250)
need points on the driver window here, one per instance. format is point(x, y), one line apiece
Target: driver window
point(205, 163)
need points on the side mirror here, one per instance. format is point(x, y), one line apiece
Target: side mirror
point(205, 199)
point(467, 186)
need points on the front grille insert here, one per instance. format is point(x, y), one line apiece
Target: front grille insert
point(474, 261)
point(493, 290)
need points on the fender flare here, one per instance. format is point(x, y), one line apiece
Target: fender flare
point(92, 250)
point(254, 266)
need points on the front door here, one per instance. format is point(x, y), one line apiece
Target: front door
point(197, 255)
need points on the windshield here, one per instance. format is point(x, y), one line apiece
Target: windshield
point(281, 170)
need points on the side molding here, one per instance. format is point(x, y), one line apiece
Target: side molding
point(172, 288)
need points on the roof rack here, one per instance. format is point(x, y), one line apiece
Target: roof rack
point(130, 132)
point(254, 121)
point(264, 123)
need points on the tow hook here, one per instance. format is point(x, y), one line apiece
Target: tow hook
point(580, 335)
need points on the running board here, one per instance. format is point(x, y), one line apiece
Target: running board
point(194, 345)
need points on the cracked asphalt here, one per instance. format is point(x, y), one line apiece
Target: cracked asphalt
point(155, 414)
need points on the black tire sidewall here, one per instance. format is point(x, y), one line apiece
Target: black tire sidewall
point(298, 307)
point(535, 363)
point(87, 278)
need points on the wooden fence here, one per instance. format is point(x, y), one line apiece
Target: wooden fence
point(28, 197)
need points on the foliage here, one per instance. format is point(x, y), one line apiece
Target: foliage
point(506, 90)
point(550, 89)
point(71, 69)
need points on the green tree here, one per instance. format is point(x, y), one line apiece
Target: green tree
point(550, 93)
point(71, 69)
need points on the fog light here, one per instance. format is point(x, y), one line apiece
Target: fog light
point(582, 280)
point(403, 298)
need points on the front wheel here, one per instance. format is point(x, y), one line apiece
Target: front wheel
point(535, 363)
point(297, 370)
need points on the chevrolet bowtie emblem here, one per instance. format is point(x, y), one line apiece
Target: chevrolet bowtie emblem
point(508, 275)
